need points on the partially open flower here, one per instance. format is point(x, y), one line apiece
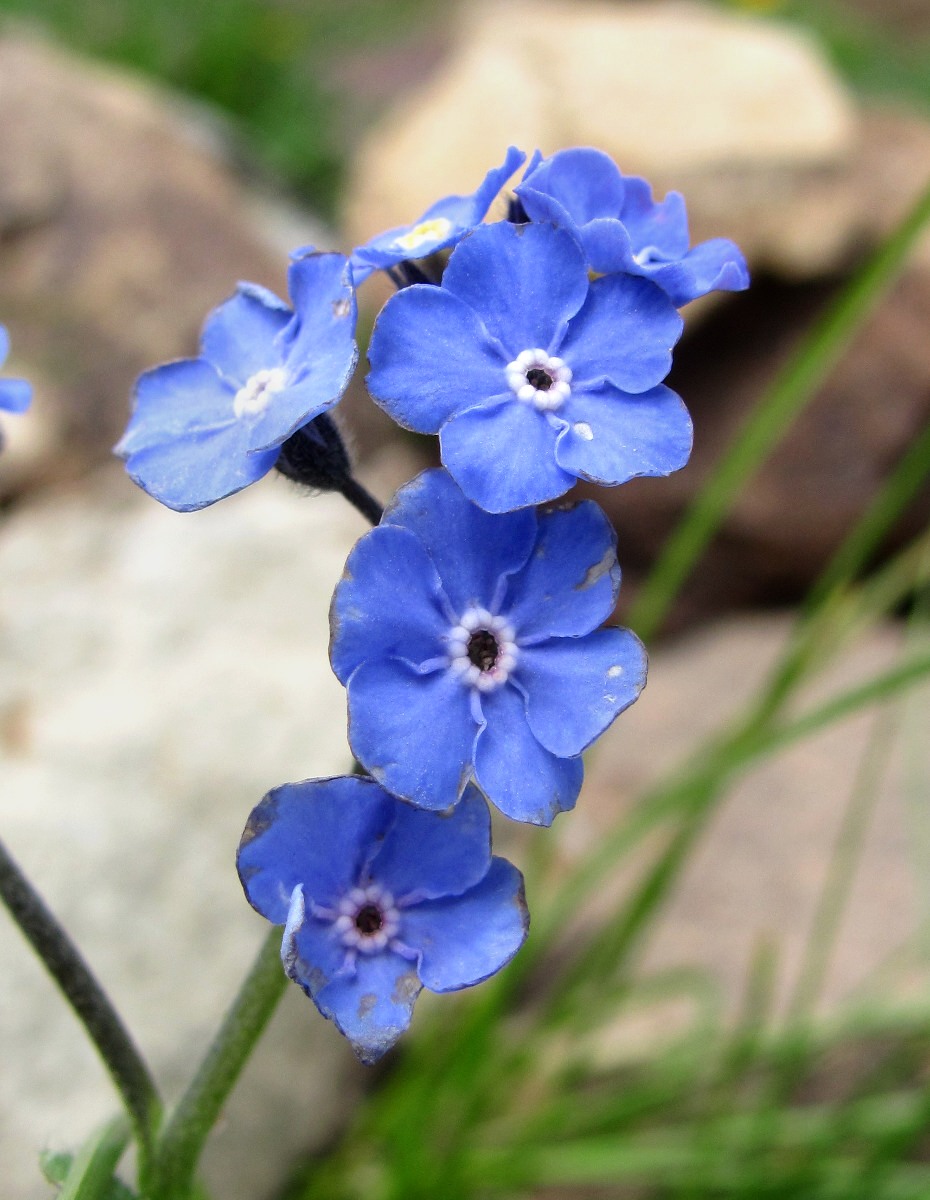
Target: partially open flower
point(204, 428)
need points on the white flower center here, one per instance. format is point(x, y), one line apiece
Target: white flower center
point(540, 380)
point(367, 919)
point(256, 393)
point(482, 649)
point(427, 231)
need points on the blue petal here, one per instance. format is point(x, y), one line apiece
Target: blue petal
point(198, 468)
point(462, 213)
point(514, 771)
point(428, 855)
point(624, 334)
point(373, 1005)
point(569, 585)
point(317, 833)
point(661, 226)
point(608, 247)
point(468, 938)
point(320, 342)
point(472, 550)
point(575, 687)
point(312, 953)
point(525, 282)
point(15, 395)
point(502, 455)
point(238, 336)
point(715, 265)
point(388, 603)
point(175, 400)
point(288, 410)
point(573, 187)
point(430, 356)
point(613, 437)
point(415, 734)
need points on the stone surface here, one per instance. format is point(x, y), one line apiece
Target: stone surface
point(742, 115)
point(159, 674)
point(122, 222)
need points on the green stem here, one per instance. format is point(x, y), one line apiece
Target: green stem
point(90, 1176)
point(195, 1115)
point(88, 1000)
point(793, 388)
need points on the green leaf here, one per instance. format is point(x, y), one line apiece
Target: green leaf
point(89, 1174)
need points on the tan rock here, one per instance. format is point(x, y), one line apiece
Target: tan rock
point(745, 117)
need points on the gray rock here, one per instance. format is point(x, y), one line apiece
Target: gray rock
point(160, 673)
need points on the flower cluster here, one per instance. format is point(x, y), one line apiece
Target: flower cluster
point(468, 628)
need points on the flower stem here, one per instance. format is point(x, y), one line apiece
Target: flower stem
point(361, 499)
point(187, 1129)
point(87, 998)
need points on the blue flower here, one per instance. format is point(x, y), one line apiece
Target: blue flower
point(441, 226)
point(15, 394)
point(379, 900)
point(532, 375)
point(621, 227)
point(203, 428)
point(470, 649)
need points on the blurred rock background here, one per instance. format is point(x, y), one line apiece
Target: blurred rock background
point(158, 672)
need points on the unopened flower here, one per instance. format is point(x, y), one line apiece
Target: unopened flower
point(442, 225)
point(379, 899)
point(203, 428)
point(470, 649)
point(532, 376)
point(15, 394)
point(621, 227)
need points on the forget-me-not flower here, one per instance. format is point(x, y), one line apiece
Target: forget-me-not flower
point(470, 647)
point(621, 227)
point(379, 899)
point(203, 428)
point(442, 225)
point(532, 375)
point(15, 394)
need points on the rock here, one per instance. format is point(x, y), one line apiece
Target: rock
point(122, 222)
point(742, 115)
point(160, 673)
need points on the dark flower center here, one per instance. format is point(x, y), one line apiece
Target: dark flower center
point(539, 378)
point(369, 919)
point(483, 649)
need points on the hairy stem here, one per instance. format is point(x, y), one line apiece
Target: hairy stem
point(87, 998)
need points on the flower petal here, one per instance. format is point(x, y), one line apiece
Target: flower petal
point(573, 187)
point(613, 436)
point(428, 855)
point(430, 357)
point(624, 334)
point(471, 549)
point(451, 218)
point(175, 400)
point(238, 336)
point(15, 395)
point(525, 282)
point(569, 584)
point(373, 1004)
point(414, 733)
point(575, 687)
point(389, 602)
point(515, 771)
point(502, 455)
point(465, 939)
point(316, 833)
point(715, 265)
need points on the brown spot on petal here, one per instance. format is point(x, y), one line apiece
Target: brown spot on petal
point(598, 571)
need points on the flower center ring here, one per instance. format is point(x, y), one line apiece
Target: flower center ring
point(540, 380)
point(482, 649)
